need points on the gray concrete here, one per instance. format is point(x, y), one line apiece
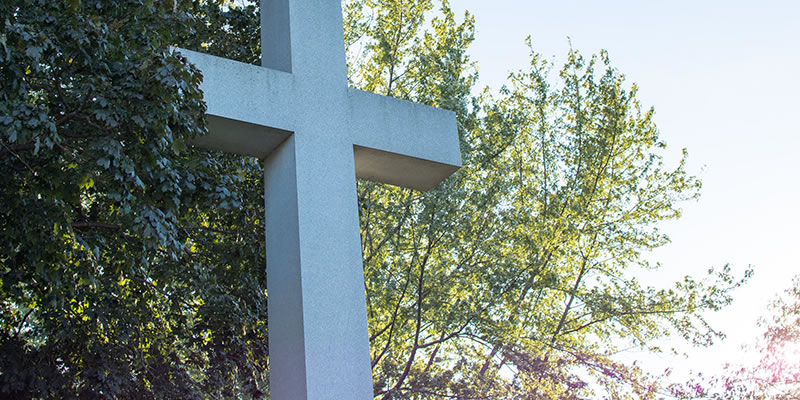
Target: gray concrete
point(252, 109)
point(315, 136)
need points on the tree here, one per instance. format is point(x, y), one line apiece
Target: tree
point(131, 264)
point(122, 268)
point(514, 278)
point(776, 374)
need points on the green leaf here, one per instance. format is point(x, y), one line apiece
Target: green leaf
point(86, 182)
point(34, 52)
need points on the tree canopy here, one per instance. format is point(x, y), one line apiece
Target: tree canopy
point(123, 270)
point(132, 264)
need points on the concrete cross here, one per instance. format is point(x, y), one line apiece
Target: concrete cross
point(297, 113)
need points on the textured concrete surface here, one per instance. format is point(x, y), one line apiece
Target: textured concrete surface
point(252, 109)
point(315, 135)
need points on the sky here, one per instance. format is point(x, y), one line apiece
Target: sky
point(724, 78)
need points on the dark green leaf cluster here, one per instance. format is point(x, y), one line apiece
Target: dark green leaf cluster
point(131, 264)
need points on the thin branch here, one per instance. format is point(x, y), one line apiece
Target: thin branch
point(448, 337)
point(22, 323)
point(93, 225)
point(11, 150)
point(420, 297)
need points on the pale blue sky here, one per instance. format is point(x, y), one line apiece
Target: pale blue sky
point(724, 77)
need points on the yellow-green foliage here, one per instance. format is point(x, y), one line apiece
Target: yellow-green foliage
point(514, 278)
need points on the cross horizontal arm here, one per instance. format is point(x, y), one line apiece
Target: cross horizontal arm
point(249, 107)
point(402, 143)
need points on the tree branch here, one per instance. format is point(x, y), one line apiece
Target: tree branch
point(95, 225)
point(11, 150)
point(22, 323)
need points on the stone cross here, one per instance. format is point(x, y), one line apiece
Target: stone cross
point(297, 113)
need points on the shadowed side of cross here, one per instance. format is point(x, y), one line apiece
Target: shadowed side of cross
point(297, 114)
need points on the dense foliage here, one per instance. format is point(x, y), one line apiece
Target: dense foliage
point(123, 271)
point(131, 264)
point(514, 279)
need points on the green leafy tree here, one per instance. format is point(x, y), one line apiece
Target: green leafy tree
point(514, 279)
point(123, 266)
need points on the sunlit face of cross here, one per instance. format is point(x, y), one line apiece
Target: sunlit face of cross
point(315, 136)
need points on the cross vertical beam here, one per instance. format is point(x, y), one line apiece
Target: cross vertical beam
point(317, 313)
point(315, 136)
point(304, 37)
point(319, 347)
